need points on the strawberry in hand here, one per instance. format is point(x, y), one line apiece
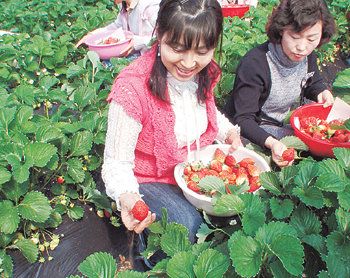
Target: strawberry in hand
point(288, 154)
point(140, 210)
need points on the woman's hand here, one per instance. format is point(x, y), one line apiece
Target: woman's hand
point(325, 97)
point(127, 201)
point(277, 148)
point(234, 139)
point(130, 47)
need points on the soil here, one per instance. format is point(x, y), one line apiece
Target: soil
point(94, 234)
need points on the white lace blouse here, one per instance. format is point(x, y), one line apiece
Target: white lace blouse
point(123, 131)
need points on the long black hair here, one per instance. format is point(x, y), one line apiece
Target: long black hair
point(193, 21)
point(299, 14)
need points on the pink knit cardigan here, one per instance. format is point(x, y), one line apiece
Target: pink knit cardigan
point(157, 152)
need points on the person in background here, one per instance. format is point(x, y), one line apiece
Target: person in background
point(161, 107)
point(138, 17)
point(273, 76)
point(240, 2)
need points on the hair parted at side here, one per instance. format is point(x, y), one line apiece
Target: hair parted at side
point(191, 21)
point(299, 14)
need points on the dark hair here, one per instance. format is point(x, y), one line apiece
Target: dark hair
point(194, 21)
point(300, 14)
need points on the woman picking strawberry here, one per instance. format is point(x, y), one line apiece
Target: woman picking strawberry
point(271, 77)
point(161, 107)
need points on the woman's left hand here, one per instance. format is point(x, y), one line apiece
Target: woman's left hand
point(325, 97)
point(234, 139)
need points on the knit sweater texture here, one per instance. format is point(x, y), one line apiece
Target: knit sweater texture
point(252, 87)
point(156, 152)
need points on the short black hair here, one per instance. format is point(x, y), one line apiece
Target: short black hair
point(300, 14)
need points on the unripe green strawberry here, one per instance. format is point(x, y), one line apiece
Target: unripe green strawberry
point(140, 210)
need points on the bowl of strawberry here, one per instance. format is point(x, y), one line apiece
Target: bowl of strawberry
point(310, 125)
point(106, 45)
point(219, 172)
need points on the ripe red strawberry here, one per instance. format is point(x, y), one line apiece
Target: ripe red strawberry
point(227, 168)
point(227, 177)
point(230, 161)
point(219, 155)
point(213, 173)
point(241, 178)
point(254, 184)
point(253, 170)
point(140, 210)
point(60, 180)
point(216, 165)
point(245, 161)
point(187, 170)
point(107, 214)
point(338, 132)
point(317, 134)
point(193, 186)
point(288, 154)
point(341, 138)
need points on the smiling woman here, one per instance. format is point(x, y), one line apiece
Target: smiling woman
point(161, 107)
point(285, 71)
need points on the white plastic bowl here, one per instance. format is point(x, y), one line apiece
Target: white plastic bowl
point(206, 155)
point(107, 51)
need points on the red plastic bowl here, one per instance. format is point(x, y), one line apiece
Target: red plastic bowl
point(106, 51)
point(317, 146)
point(232, 10)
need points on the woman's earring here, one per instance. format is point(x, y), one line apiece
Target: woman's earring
point(158, 50)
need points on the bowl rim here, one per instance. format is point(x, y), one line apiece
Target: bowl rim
point(316, 140)
point(107, 45)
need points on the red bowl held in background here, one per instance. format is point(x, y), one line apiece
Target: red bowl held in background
point(232, 10)
point(317, 147)
point(106, 51)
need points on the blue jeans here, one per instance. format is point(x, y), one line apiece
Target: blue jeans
point(158, 195)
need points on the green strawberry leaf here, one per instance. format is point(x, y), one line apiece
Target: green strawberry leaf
point(305, 222)
point(331, 166)
point(337, 266)
point(288, 173)
point(270, 181)
point(343, 156)
point(229, 203)
point(181, 265)
point(279, 271)
point(48, 134)
point(246, 254)
point(153, 245)
point(344, 197)
point(75, 170)
point(41, 153)
point(81, 143)
point(290, 252)
point(281, 208)
point(5, 175)
point(211, 264)
point(9, 218)
point(343, 219)
point(75, 213)
point(316, 241)
point(269, 231)
point(35, 207)
point(330, 182)
point(15, 190)
point(175, 239)
point(99, 265)
point(203, 232)
point(6, 264)
point(253, 215)
point(6, 117)
point(311, 196)
point(294, 142)
point(129, 274)
point(307, 172)
point(28, 248)
point(211, 183)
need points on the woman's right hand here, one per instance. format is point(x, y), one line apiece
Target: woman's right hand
point(127, 202)
point(277, 148)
